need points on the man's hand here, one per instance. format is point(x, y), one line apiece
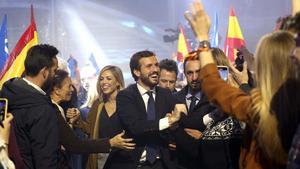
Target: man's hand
point(172, 146)
point(174, 125)
point(123, 143)
point(175, 116)
point(180, 108)
point(199, 20)
point(196, 134)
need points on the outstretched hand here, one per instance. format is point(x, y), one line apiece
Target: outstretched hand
point(196, 134)
point(123, 143)
point(199, 20)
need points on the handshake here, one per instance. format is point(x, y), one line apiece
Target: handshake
point(176, 114)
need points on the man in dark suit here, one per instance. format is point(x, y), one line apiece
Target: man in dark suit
point(143, 110)
point(195, 122)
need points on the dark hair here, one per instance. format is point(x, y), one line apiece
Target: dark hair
point(59, 77)
point(169, 65)
point(38, 57)
point(281, 22)
point(285, 105)
point(135, 61)
point(194, 55)
point(293, 23)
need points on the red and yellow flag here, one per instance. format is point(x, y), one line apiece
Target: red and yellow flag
point(14, 66)
point(183, 47)
point(234, 39)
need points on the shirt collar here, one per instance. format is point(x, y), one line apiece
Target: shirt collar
point(34, 86)
point(142, 90)
point(197, 95)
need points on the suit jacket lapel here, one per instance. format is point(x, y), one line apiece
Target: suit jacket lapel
point(181, 95)
point(202, 101)
point(157, 103)
point(140, 102)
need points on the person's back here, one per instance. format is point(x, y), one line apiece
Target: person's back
point(36, 122)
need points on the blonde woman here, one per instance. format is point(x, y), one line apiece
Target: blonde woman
point(102, 121)
point(273, 67)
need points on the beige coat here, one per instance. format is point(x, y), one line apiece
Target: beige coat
point(91, 127)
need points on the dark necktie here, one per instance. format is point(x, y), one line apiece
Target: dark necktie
point(150, 107)
point(193, 103)
point(151, 149)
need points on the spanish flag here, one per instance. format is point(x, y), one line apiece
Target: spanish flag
point(183, 47)
point(234, 39)
point(14, 66)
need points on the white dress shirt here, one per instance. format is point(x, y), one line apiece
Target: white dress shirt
point(34, 86)
point(163, 123)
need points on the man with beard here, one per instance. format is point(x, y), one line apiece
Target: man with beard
point(195, 122)
point(35, 117)
point(143, 108)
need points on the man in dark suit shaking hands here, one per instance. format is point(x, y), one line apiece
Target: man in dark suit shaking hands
point(145, 111)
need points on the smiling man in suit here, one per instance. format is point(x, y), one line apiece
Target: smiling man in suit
point(143, 110)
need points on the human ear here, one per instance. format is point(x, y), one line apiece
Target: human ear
point(137, 72)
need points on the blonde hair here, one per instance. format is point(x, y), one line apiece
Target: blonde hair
point(221, 60)
point(117, 73)
point(220, 57)
point(272, 68)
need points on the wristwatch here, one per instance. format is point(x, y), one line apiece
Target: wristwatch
point(204, 45)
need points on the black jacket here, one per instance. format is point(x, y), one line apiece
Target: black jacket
point(194, 118)
point(187, 149)
point(132, 113)
point(36, 124)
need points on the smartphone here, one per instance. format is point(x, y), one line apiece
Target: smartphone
point(224, 72)
point(3, 108)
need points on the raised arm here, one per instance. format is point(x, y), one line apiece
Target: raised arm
point(230, 99)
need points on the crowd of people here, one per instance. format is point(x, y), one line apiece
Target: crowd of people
point(249, 120)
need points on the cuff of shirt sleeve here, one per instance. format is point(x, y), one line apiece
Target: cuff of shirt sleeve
point(207, 119)
point(164, 123)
